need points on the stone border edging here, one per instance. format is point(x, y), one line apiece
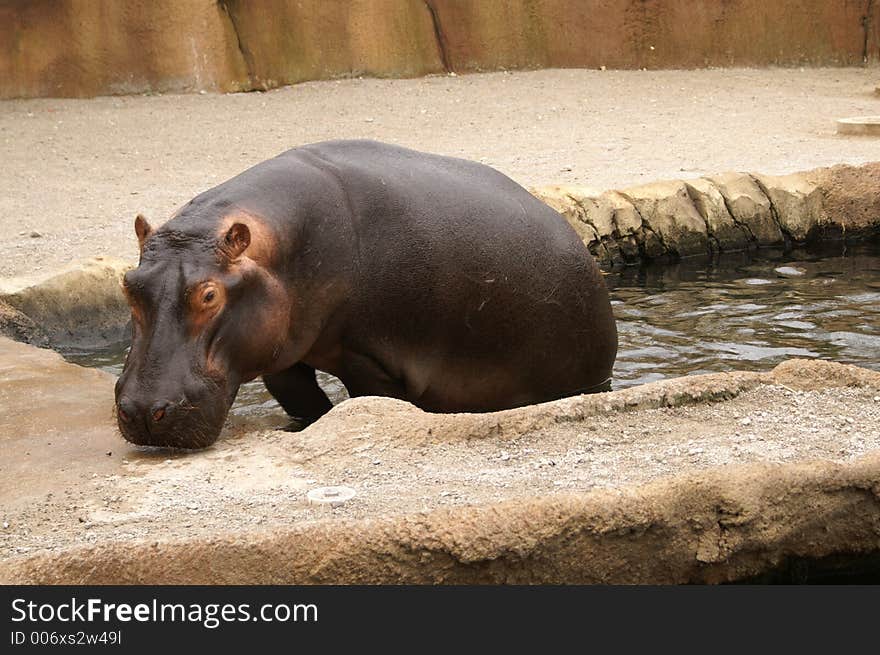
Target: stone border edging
point(80, 305)
point(727, 212)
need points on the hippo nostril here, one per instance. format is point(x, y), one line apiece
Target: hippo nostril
point(159, 413)
point(126, 410)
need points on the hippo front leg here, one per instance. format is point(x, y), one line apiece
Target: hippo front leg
point(296, 390)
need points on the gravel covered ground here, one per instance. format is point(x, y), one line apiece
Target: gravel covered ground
point(259, 481)
point(75, 172)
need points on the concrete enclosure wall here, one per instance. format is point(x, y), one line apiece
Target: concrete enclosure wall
point(99, 47)
point(95, 47)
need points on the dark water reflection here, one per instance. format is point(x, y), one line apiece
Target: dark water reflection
point(735, 312)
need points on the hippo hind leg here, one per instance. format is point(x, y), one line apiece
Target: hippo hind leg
point(365, 376)
point(296, 390)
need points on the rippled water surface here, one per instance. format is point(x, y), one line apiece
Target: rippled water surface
point(742, 312)
point(736, 312)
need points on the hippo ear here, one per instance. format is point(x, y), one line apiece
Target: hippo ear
point(143, 229)
point(236, 241)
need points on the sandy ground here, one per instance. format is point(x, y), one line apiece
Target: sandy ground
point(75, 172)
point(102, 488)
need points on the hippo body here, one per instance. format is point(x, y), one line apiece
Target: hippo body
point(435, 280)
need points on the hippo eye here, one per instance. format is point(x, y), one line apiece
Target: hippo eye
point(209, 296)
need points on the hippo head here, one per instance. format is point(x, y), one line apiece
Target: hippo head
point(205, 319)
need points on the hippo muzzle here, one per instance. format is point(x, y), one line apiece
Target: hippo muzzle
point(191, 417)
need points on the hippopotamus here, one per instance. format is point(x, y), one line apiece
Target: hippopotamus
point(415, 276)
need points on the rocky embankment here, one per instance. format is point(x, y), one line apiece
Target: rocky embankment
point(721, 213)
point(707, 478)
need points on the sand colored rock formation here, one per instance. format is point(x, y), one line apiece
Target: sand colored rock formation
point(850, 197)
point(81, 304)
point(795, 202)
point(287, 42)
point(84, 48)
point(237, 513)
point(721, 213)
point(18, 326)
point(667, 211)
point(721, 227)
point(749, 207)
point(96, 47)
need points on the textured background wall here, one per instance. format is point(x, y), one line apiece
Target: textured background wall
point(98, 47)
point(285, 42)
point(654, 33)
point(94, 47)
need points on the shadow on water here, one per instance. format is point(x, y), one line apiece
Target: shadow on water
point(731, 312)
